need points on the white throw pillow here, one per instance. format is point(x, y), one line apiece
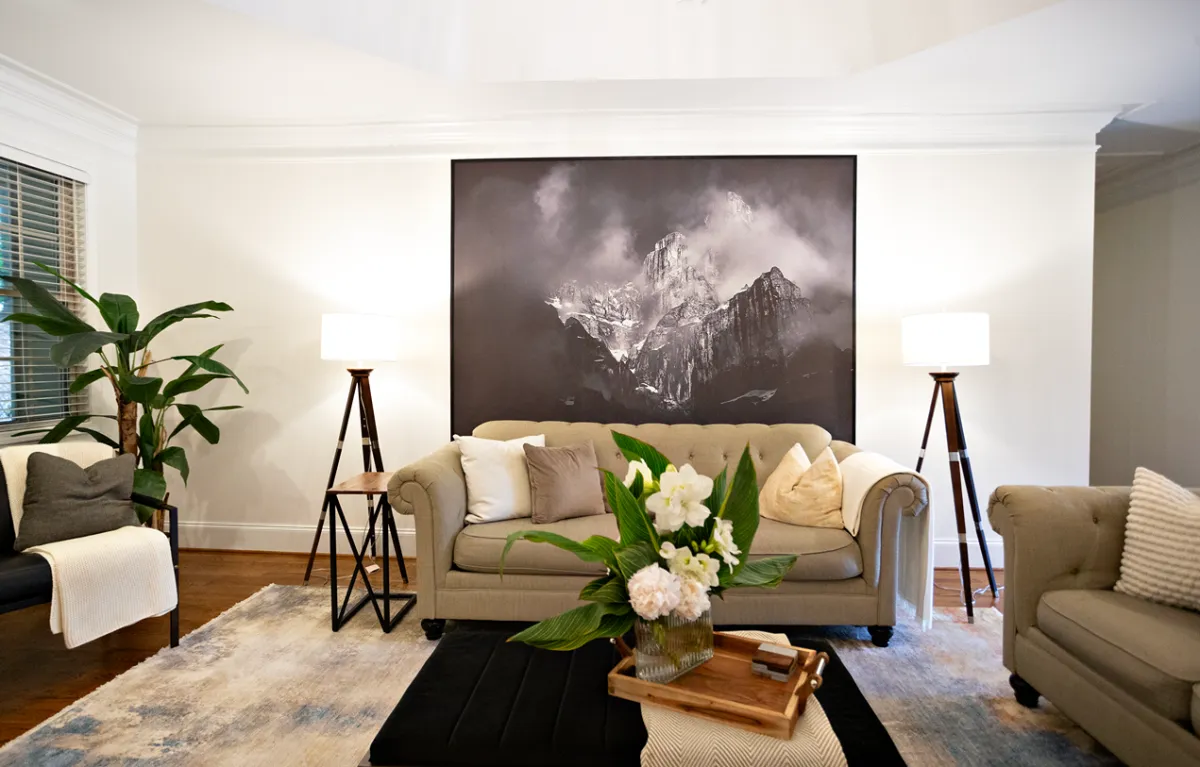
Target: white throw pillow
point(1161, 560)
point(497, 477)
point(800, 492)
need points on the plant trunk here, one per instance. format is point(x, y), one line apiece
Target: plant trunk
point(127, 426)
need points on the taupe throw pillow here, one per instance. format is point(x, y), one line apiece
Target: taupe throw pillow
point(64, 500)
point(563, 482)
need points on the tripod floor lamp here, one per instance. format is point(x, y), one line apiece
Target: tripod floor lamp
point(951, 340)
point(358, 340)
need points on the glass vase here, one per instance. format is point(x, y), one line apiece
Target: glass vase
point(668, 648)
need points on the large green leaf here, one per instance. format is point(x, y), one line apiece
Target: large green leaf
point(764, 573)
point(632, 520)
point(147, 438)
point(150, 483)
point(77, 347)
point(636, 450)
point(607, 588)
point(85, 379)
point(65, 427)
point(577, 627)
point(741, 508)
point(99, 437)
point(172, 316)
point(597, 548)
point(175, 456)
point(195, 418)
point(191, 383)
point(120, 312)
point(49, 314)
point(140, 389)
point(717, 497)
point(57, 274)
point(634, 557)
point(205, 362)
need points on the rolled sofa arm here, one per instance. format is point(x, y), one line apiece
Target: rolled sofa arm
point(434, 491)
point(881, 491)
point(1055, 538)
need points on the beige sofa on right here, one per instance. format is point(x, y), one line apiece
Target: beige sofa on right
point(1125, 669)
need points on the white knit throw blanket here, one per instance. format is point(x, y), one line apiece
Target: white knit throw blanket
point(861, 472)
point(107, 581)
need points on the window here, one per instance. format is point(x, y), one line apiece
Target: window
point(41, 221)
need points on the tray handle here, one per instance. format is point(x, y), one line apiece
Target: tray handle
point(816, 668)
point(621, 647)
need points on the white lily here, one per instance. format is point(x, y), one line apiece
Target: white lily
point(680, 499)
point(723, 545)
point(636, 468)
point(691, 566)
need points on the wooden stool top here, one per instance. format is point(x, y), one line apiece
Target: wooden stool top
point(368, 483)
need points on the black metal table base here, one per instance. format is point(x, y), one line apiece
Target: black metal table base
point(340, 614)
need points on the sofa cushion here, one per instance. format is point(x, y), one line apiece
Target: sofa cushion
point(24, 577)
point(825, 554)
point(1149, 650)
point(1196, 708)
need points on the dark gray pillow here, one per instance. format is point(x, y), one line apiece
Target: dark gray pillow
point(64, 500)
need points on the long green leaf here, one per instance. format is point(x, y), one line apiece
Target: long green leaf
point(632, 520)
point(151, 483)
point(175, 456)
point(78, 289)
point(120, 312)
point(183, 385)
point(140, 389)
point(62, 428)
point(195, 418)
point(609, 589)
point(636, 450)
point(717, 497)
point(212, 366)
point(85, 379)
point(577, 627)
point(49, 308)
point(172, 316)
point(764, 573)
point(741, 508)
point(595, 549)
point(634, 557)
point(147, 438)
point(50, 325)
point(99, 437)
point(77, 347)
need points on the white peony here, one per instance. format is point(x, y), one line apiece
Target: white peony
point(693, 600)
point(722, 539)
point(653, 592)
point(688, 566)
point(636, 468)
point(680, 499)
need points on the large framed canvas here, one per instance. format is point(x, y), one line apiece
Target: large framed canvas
point(674, 290)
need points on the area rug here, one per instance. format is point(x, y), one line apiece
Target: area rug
point(265, 683)
point(944, 696)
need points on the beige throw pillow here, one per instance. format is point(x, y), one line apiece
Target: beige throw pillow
point(1161, 559)
point(802, 493)
point(563, 482)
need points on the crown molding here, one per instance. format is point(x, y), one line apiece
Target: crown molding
point(740, 131)
point(1158, 177)
point(31, 97)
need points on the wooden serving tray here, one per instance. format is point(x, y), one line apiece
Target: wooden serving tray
point(725, 690)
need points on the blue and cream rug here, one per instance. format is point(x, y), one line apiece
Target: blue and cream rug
point(267, 683)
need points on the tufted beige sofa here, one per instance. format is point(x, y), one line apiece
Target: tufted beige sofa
point(838, 578)
point(1125, 669)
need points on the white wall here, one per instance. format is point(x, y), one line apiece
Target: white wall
point(1008, 232)
point(1147, 338)
point(46, 125)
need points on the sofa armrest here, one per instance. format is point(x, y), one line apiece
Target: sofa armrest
point(1055, 538)
point(881, 492)
point(434, 491)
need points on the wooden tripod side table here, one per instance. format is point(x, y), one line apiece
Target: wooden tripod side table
point(368, 484)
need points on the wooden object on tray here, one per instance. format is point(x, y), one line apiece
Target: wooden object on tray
point(725, 690)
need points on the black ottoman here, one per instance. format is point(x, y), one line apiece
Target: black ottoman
point(480, 700)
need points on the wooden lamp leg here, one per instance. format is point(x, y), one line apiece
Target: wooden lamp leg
point(969, 476)
point(946, 384)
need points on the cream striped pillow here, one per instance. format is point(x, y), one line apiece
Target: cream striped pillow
point(1161, 561)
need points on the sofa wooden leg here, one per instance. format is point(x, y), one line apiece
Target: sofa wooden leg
point(880, 635)
point(433, 627)
point(1026, 695)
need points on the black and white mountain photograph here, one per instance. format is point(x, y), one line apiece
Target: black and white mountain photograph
point(635, 290)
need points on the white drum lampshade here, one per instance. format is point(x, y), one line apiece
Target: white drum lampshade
point(948, 339)
point(359, 338)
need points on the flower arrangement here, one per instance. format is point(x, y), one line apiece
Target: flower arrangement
point(684, 538)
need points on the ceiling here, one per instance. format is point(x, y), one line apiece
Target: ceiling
point(341, 62)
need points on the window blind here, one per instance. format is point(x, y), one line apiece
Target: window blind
point(41, 221)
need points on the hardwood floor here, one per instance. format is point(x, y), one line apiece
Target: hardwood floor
point(39, 676)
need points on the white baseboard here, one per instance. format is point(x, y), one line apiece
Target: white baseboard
point(250, 536)
point(945, 553)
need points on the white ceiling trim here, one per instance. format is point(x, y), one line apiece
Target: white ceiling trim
point(1170, 172)
point(32, 97)
point(639, 133)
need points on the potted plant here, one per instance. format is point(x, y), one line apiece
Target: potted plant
point(684, 537)
point(143, 400)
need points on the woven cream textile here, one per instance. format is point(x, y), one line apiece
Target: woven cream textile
point(678, 740)
point(1161, 559)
